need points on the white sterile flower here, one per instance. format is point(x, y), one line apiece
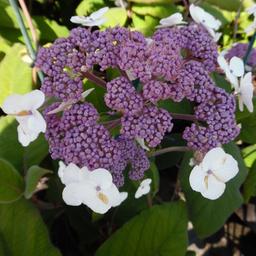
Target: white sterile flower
point(92, 188)
point(24, 108)
point(233, 69)
point(174, 19)
point(210, 176)
point(200, 16)
point(95, 19)
point(143, 189)
point(245, 92)
point(141, 142)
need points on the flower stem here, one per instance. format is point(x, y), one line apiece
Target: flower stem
point(149, 200)
point(169, 149)
point(237, 19)
point(24, 33)
point(95, 79)
point(29, 20)
point(183, 116)
point(249, 49)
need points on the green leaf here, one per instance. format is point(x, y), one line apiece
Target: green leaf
point(160, 230)
point(248, 122)
point(155, 10)
point(183, 107)
point(116, 16)
point(249, 155)
point(11, 183)
point(230, 5)
point(221, 82)
point(11, 149)
point(23, 231)
point(33, 175)
point(144, 24)
point(86, 7)
point(49, 29)
point(15, 75)
point(200, 209)
point(7, 16)
point(249, 188)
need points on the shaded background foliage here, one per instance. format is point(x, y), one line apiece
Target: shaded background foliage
point(36, 223)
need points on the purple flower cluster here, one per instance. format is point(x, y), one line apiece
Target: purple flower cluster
point(239, 50)
point(150, 124)
point(217, 122)
point(122, 96)
point(174, 65)
point(77, 137)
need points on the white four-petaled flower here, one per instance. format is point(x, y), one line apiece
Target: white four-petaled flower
point(95, 19)
point(24, 109)
point(233, 70)
point(210, 176)
point(243, 87)
point(204, 18)
point(174, 19)
point(144, 188)
point(92, 188)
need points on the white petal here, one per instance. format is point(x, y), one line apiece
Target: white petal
point(94, 22)
point(215, 188)
point(73, 194)
point(210, 21)
point(141, 142)
point(223, 63)
point(172, 20)
point(143, 189)
point(217, 37)
point(122, 196)
point(214, 159)
point(146, 182)
point(197, 178)
point(71, 174)
point(240, 103)
point(25, 137)
point(100, 201)
point(87, 92)
point(113, 194)
point(98, 14)
point(228, 170)
point(196, 13)
point(101, 177)
point(236, 66)
point(61, 169)
point(36, 122)
point(246, 91)
point(78, 19)
point(34, 99)
point(16, 103)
